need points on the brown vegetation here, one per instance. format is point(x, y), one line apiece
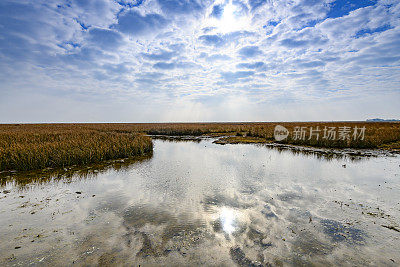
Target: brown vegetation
point(384, 135)
point(28, 147)
point(36, 146)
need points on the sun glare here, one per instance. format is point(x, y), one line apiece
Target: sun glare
point(228, 220)
point(232, 19)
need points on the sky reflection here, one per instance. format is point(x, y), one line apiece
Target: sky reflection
point(212, 204)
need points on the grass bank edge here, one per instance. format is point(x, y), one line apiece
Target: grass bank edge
point(33, 151)
point(36, 146)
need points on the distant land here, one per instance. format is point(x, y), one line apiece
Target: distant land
point(377, 119)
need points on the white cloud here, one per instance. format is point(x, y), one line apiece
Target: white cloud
point(110, 54)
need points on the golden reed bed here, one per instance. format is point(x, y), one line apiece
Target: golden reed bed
point(37, 146)
point(29, 147)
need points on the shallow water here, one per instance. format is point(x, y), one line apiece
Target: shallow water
point(203, 203)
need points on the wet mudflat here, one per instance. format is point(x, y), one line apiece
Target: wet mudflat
point(203, 203)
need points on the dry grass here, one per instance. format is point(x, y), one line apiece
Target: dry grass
point(36, 146)
point(31, 147)
point(377, 135)
point(241, 140)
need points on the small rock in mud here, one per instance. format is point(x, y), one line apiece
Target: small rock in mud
point(6, 191)
point(11, 258)
point(17, 247)
point(77, 192)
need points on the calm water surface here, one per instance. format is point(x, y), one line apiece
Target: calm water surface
point(202, 203)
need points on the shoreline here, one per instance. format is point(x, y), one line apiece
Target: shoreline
point(37, 146)
point(224, 139)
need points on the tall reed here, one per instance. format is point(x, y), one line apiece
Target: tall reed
point(27, 150)
point(35, 146)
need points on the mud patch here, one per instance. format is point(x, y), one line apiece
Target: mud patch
point(339, 232)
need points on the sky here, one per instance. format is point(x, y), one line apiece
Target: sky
point(198, 60)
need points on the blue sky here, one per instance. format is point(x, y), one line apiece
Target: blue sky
point(198, 60)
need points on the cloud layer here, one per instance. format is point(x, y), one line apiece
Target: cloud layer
point(198, 60)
